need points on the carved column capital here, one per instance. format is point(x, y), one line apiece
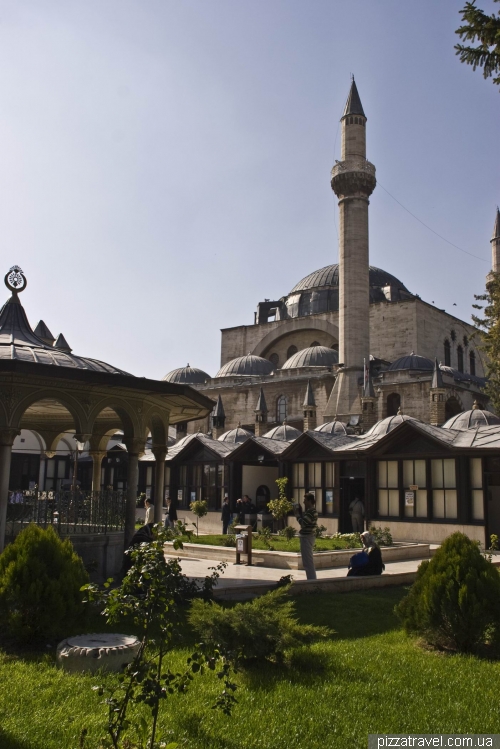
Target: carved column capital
point(159, 451)
point(7, 436)
point(134, 445)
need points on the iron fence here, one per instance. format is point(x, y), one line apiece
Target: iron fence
point(70, 512)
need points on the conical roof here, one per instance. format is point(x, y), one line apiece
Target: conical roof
point(437, 377)
point(62, 343)
point(309, 401)
point(218, 409)
point(353, 104)
point(496, 228)
point(19, 342)
point(44, 333)
point(261, 403)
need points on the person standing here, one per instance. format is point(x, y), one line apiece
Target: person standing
point(357, 513)
point(150, 512)
point(225, 515)
point(308, 521)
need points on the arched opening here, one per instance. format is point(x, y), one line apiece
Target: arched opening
point(460, 358)
point(281, 409)
point(472, 363)
point(291, 351)
point(393, 404)
point(275, 360)
point(452, 407)
point(447, 353)
point(262, 497)
point(315, 343)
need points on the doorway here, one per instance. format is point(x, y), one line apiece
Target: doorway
point(350, 488)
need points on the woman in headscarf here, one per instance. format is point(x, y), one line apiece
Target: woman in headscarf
point(368, 561)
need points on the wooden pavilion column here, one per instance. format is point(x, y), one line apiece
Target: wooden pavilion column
point(7, 437)
point(97, 457)
point(160, 453)
point(134, 448)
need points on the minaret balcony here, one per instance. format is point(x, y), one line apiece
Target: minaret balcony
point(355, 176)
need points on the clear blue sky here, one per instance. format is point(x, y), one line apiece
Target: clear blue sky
point(164, 164)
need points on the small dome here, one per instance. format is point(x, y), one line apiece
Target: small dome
point(314, 356)
point(235, 436)
point(412, 361)
point(246, 366)
point(386, 425)
point(471, 419)
point(284, 432)
point(332, 427)
point(187, 376)
point(186, 439)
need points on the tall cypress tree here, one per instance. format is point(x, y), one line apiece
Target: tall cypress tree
point(477, 25)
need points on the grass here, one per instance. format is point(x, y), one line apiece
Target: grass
point(279, 543)
point(368, 678)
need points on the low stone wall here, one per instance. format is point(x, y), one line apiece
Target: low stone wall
point(288, 560)
point(431, 533)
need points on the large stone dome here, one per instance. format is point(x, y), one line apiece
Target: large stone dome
point(246, 366)
point(187, 376)
point(314, 356)
point(319, 291)
point(414, 362)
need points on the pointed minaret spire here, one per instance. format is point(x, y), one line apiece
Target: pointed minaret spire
point(261, 415)
point(44, 333)
point(309, 407)
point(369, 392)
point(495, 245)
point(353, 104)
point(437, 377)
point(218, 418)
point(309, 399)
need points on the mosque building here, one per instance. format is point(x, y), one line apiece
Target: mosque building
point(349, 342)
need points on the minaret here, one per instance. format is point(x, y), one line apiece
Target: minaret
point(353, 181)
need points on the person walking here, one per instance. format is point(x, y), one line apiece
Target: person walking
point(225, 515)
point(308, 521)
point(357, 513)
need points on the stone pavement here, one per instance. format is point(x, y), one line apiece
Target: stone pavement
point(240, 581)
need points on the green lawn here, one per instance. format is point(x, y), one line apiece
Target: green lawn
point(367, 678)
point(277, 542)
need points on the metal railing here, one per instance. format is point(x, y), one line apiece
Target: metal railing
point(69, 512)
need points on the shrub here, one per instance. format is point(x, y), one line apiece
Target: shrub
point(40, 581)
point(320, 530)
point(279, 508)
point(200, 509)
point(455, 601)
point(265, 535)
point(262, 629)
point(382, 536)
point(288, 532)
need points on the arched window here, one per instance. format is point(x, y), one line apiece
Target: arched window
point(355, 120)
point(447, 353)
point(274, 359)
point(451, 408)
point(393, 404)
point(315, 343)
point(472, 363)
point(460, 357)
point(281, 409)
point(291, 351)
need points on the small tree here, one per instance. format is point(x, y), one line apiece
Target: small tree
point(279, 508)
point(152, 595)
point(200, 509)
point(486, 30)
point(40, 581)
point(489, 325)
point(455, 600)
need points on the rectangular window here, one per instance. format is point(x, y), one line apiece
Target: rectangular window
point(444, 492)
point(476, 484)
point(388, 491)
point(414, 475)
point(331, 495)
point(298, 481)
